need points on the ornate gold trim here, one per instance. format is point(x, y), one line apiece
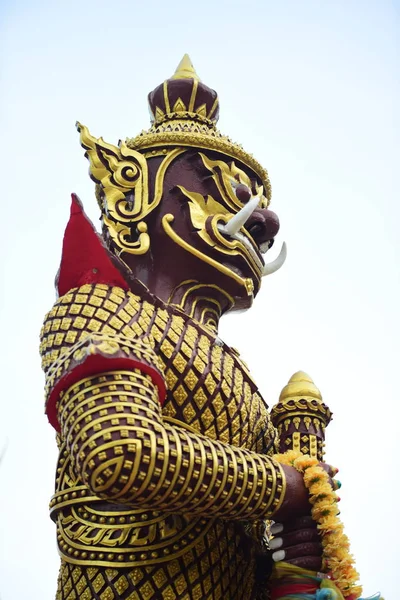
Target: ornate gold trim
point(213, 140)
point(224, 175)
point(201, 209)
point(121, 170)
point(166, 99)
point(193, 95)
point(247, 283)
point(120, 232)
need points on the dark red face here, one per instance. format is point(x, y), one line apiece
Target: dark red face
point(211, 225)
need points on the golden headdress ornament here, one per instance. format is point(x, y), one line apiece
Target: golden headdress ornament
point(184, 112)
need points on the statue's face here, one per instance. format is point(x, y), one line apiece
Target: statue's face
point(189, 230)
point(175, 215)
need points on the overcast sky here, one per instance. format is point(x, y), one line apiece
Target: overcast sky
point(310, 88)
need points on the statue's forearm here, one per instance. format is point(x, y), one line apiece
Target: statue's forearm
point(125, 452)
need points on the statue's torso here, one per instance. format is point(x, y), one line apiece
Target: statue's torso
point(112, 551)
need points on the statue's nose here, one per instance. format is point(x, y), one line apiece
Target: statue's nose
point(263, 225)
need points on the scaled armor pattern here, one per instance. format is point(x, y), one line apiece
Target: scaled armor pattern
point(209, 392)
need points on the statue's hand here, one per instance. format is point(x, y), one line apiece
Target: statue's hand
point(297, 542)
point(296, 500)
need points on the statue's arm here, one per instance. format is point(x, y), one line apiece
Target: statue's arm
point(125, 452)
point(105, 394)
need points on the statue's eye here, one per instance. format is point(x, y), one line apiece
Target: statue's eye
point(243, 193)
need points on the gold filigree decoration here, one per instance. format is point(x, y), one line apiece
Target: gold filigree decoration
point(120, 234)
point(246, 282)
point(193, 286)
point(199, 303)
point(123, 175)
point(200, 210)
point(120, 171)
point(227, 177)
point(197, 135)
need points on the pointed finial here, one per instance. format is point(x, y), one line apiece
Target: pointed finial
point(300, 385)
point(185, 70)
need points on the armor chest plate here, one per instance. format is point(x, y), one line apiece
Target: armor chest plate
point(209, 388)
point(209, 391)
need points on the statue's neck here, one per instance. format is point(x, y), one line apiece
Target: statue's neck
point(203, 302)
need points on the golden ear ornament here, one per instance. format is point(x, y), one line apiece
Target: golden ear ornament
point(122, 174)
point(120, 171)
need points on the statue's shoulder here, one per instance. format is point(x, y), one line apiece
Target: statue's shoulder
point(93, 308)
point(95, 328)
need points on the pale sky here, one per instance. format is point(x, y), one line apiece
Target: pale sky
point(310, 88)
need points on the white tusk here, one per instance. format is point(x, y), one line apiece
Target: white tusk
point(277, 263)
point(238, 220)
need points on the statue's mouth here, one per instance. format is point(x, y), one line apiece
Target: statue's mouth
point(255, 229)
point(249, 244)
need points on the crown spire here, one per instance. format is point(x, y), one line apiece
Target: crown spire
point(185, 70)
point(184, 111)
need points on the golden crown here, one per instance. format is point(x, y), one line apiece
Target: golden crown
point(184, 112)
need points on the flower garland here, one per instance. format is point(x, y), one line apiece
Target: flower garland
point(337, 559)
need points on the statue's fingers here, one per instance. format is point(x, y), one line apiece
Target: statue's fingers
point(310, 563)
point(299, 523)
point(298, 551)
point(294, 538)
point(332, 472)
